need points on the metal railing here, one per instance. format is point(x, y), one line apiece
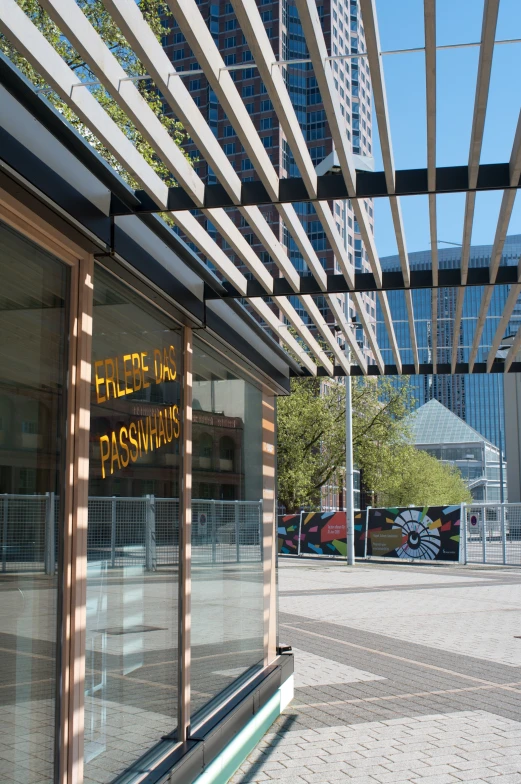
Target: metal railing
point(128, 531)
point(492, 533)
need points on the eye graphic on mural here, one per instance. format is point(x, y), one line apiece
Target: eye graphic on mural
point(420, 538)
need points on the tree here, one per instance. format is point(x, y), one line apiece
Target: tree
point(412, 476)
point(96, 13)
point(311, 433)
point(311, 446)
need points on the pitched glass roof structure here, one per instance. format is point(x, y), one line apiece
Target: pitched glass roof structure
point(433, 423)
point(444, 435)
point(272, 298)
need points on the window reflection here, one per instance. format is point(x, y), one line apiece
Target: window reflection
point(32, 405)
point(133, 529)
point(227, 573)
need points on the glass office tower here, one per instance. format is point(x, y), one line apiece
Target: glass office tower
point(344, 34)
point(477, 399)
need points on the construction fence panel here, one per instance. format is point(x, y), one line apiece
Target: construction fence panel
point(24, 532)
point(493, 533)
point(125, 531)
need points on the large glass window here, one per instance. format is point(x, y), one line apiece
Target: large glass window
point(33, 342)
point(227, 574)
point(133, 529)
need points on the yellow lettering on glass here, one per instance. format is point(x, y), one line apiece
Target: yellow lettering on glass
point(119, 376)
point(125, 445)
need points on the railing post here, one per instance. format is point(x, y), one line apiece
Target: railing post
point(503, 533)
point(237, 528)
point(113, 532)
point(261, 528)
point(463, 534)
point(299, 533)
point(150, 535)
point(484, 533)
point(214, 532)
point(5, 506)
point(49, 561)
point(366, 529)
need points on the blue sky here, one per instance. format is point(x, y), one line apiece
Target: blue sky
point(458, 21)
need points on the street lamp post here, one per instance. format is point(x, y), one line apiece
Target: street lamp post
point(501, 490)
point(328, 165)
point(350, 503)
point(350, 496)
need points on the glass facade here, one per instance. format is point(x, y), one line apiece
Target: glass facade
point(443, 435)
point(133, 528)
point(227, 568)
point(118, 632)
point(477, 399)
point(33, 384)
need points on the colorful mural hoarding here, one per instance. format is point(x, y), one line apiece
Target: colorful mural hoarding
point(320, 533)
point(428, 534)
point(323, 533)
point(287, 533)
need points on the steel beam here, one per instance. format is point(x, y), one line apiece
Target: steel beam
point(369, 185)
point(443, 369)
point(365, 281)
point(25, 36)
point(429, 14)
point(75, 24)
point(505, 213)
point(322, 67)
point(372, 39)
point(503, 323)
point(486, 53)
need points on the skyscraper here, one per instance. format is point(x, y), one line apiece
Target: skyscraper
point(344, 35)
point(477, 399)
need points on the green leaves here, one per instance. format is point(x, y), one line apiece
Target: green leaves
point(311, 433)
point(311, 446)
point(94, 10)
point(414, 477)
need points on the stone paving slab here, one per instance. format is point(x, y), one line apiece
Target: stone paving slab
point(312, 670)
point(439, 701)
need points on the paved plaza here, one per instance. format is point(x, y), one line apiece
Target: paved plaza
point(404, 673)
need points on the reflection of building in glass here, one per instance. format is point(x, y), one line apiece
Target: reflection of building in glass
point(217, 458)
point(477, 399)
point(444, 435)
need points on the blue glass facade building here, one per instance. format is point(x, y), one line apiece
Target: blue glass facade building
point(477, 399)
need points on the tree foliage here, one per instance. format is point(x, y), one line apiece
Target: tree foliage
point(311, 432)
point(311, 446)
point(104, 25)
point(414, 477)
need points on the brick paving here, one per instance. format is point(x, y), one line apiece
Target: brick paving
point(405, 673)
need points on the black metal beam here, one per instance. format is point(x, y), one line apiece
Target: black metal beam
point(365, 281)
point(443, 369)
point(369, 185)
